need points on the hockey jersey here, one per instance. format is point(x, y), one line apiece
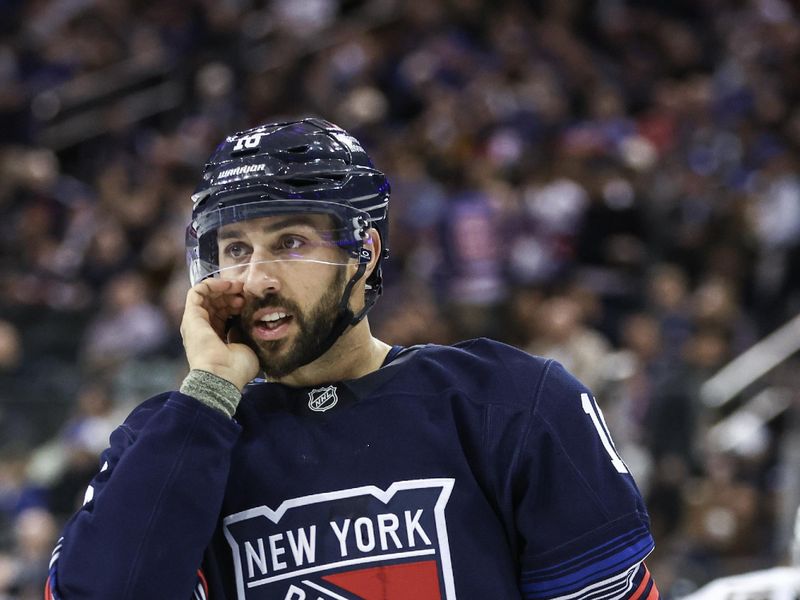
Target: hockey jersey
point(472, 471)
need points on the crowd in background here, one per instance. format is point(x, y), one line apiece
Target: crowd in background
point(613, 183)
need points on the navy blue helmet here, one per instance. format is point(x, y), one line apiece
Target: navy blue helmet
point(310, 165)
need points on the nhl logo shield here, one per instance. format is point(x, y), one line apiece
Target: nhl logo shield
point(357, 544)
point(322, 399)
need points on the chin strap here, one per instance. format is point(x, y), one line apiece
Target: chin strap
point(346, 317)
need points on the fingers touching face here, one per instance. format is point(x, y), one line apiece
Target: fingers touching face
point(220, 299)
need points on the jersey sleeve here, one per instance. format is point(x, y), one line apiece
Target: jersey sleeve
point(582, 522)
point(151, 510)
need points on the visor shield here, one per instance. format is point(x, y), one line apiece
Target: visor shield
point(230, 242)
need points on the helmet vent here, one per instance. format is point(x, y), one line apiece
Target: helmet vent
point(321, 179)
point(298, 149)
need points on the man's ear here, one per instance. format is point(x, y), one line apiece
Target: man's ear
point(373, 244)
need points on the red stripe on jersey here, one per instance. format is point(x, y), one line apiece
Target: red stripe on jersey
point(48, 594)
point(644, 587)
point(654, 594)
point(203, 581)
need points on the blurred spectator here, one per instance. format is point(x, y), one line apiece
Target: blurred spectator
point(23, 570)
point(12, 409)
point(668, 300)
point(472, 267)
point(415, 320)
point(108, 254)
point(634, 370)
point(13, 465)
point(128, 324)
point(563, 335)
point(776, 216)
point(723, 512)
point(714, 305)
point(77, 447)
point(555, 208)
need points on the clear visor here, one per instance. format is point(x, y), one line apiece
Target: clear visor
point(244, 241)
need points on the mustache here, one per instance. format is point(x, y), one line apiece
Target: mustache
point(254, 304)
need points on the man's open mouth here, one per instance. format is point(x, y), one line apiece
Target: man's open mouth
point(273, 320)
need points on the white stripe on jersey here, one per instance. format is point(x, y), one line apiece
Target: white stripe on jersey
point(200, 592)
point(325, 591)
point(616, 587)
point(89, 495)
point(56, 552)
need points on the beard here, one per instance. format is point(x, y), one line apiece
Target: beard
point(278, 358)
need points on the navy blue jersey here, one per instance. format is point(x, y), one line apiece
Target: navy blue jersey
point(472, 472)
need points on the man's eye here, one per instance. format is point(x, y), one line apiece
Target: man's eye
point(291, 242)
point(236, 250)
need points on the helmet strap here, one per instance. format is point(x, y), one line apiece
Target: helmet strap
point(346, 318)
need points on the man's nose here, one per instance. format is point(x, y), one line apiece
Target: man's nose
point(260, 278)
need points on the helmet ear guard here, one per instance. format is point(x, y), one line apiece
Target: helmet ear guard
point(373, 284)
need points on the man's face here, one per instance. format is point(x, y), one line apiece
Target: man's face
point(294, 278)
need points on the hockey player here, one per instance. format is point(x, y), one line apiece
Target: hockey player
point(352, 469)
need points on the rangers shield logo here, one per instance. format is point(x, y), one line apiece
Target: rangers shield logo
point(358, 544)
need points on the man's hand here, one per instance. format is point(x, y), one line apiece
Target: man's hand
point(209, 304)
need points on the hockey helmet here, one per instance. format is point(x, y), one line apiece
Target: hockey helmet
point(306, 166)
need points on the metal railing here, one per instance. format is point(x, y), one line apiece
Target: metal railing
point(752, 364)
